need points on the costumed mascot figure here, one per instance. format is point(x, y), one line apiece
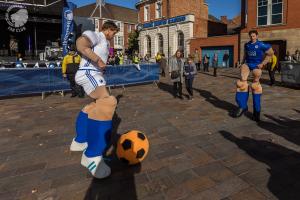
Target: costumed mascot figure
point(94, 122)
point(256, 55)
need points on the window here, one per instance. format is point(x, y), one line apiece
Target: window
point(269, 12)
point(148, 45)
point(118, 40)
point(180, 41)
point(160, 42)
point(147, 13)
point(158, 6)
point(129, 28)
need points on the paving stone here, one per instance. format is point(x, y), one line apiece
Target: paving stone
point(197, 151)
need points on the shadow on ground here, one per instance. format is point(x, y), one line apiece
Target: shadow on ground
point(283, 164)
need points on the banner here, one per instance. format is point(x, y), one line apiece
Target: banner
point(31, 81)
point(67, 25)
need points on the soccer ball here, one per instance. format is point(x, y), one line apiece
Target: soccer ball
point(132, 147)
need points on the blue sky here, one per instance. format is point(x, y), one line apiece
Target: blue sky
point(231, 8)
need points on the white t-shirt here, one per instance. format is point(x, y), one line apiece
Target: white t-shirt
point(100, 47)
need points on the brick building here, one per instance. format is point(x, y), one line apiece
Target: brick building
point(125, 18)
point(168, 25)
point(276, 21)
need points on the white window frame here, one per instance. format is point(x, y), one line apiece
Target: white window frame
point(158, 12)
point(270, 14)
point(147, 13)
point(129, 28)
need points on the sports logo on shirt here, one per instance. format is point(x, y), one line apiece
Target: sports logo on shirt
point(256, 46)
point(251, 53)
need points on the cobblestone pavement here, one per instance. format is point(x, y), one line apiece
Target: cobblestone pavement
point(197, 151)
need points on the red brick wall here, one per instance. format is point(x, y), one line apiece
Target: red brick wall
point(291, 9)
point(216, 28)
point(179, 7)
point(230, 40)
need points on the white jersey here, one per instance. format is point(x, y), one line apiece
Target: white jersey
point(100, 46)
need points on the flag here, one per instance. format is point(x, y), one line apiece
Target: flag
point(67, 24)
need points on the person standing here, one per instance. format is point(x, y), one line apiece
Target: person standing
point(206, 62)
point(215, 64)
point(70, 66)
point(121, 57)
point(197, 59)
point(176, 65)
point(271, 66)
point(190, 70)
point(288, 57)
point(225, 59)
point(296, 56)
point(136, 58)
point(163, 65)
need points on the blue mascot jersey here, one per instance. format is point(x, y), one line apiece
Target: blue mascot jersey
point(255, 53)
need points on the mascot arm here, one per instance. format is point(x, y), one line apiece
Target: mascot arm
point(269, 55)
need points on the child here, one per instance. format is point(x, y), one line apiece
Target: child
point(190, 71)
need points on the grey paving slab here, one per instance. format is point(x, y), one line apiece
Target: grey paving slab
point(197, 150)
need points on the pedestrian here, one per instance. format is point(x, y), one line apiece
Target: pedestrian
point(117, 59)
point(197, 59)
point(296, 56)
point(206, 62)
point(225, 59)
point(121, 57)
point(135, 58)
point(271, 66)
point(288, 57)
point(215, 64)
point(157, 57)
point(190, 70)
point(176, 65)
point(70, 65)
point(147, 58)
point(163, 65)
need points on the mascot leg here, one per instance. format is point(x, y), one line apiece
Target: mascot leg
point(256, 93)
point(242, 93)
point(79, 143)
point(99, 128)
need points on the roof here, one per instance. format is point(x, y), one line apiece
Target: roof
point(109, 11)
point(214, 19)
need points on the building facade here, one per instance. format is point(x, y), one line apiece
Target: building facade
point(275, 20)
point(165, 26)
point(125, 18)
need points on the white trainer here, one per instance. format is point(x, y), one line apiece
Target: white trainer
point(96, 166)
point(76, 146)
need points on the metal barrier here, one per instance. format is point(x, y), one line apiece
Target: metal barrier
point(31, 81)
point(290, 72)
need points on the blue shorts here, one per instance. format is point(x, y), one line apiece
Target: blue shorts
point(252, 66)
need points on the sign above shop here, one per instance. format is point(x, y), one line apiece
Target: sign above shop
point(165, 22)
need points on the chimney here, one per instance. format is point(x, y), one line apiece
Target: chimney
point(224, 19)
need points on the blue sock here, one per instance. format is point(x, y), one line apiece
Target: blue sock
point(256, 102)
point(81, 127)
point(98, 137)
point(242, 99)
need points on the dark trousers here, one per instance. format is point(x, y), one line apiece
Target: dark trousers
point(206, 65)
point(189, 85)
point(215, 71)
point(272, 76)
point(198, 66)
point(177, 89)
point(76, 89)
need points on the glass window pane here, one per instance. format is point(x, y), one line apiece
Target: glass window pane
point(262, 11)
point(262, 20)
point(277, 19)
point(277, 8)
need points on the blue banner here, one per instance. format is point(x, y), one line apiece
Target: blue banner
point(67, 24)
point(31, 81)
